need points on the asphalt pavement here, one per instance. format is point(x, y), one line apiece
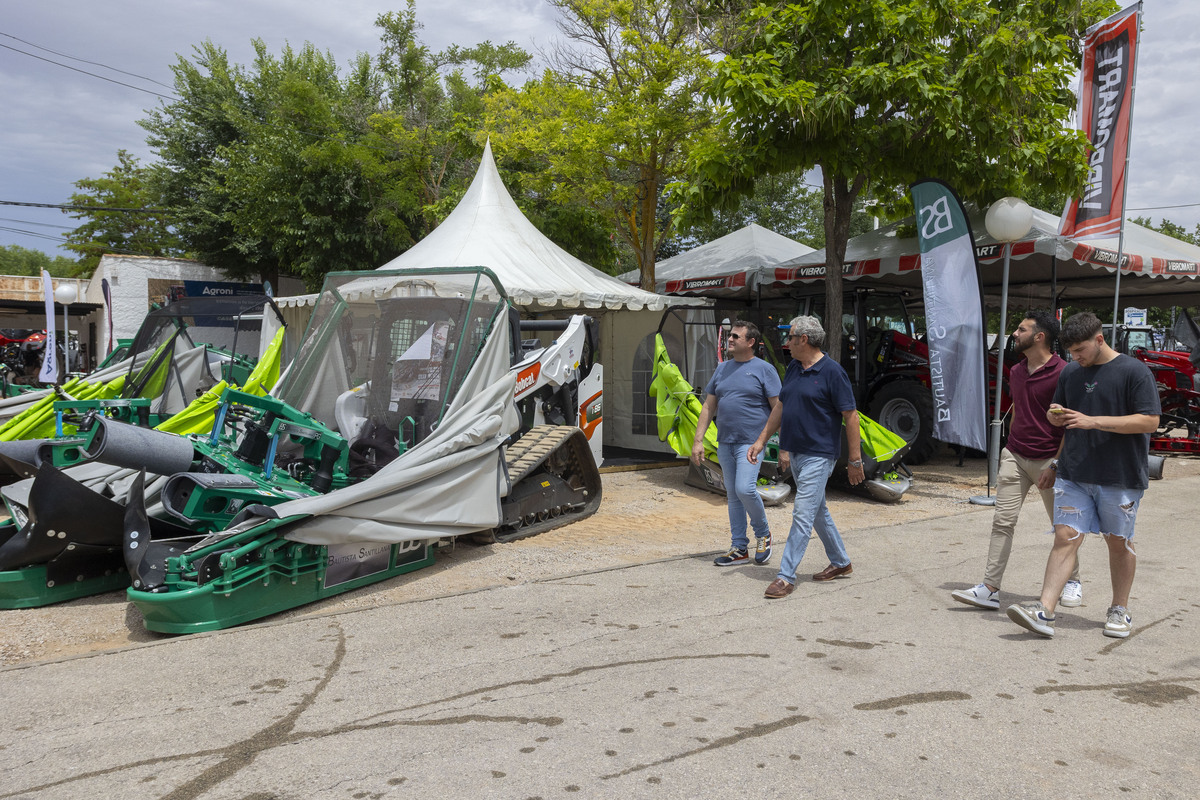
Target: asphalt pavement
point(672, 679)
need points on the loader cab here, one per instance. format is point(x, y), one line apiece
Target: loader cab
point(878, 335)
point(386, 354)
point(1134, 337)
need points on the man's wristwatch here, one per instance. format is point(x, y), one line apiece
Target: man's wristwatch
point(1053, 464)
point(857, 463)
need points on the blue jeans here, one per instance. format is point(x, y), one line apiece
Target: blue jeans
point(809, 512)
point(1090, 508)
point(741, 481)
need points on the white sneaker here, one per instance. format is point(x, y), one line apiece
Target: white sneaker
point(1072, 595)
point(979, 596)
point(1119, 624)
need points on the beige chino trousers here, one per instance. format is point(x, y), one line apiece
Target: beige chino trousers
point(1017, 475)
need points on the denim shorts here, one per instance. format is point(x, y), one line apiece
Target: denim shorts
point(1091, 508)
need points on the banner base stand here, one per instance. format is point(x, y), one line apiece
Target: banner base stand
point(981, 500)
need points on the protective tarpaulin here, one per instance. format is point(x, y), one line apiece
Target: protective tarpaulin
point(433, 352)
point(447, 485)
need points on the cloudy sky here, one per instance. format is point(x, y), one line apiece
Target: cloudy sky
point(62, 124)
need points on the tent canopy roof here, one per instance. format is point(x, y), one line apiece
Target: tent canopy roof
point(723, 265)
point(1158, 269)
point(487, 229)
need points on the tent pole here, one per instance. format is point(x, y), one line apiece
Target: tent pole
point(1001, 340)
point(1054, 286)
point(1125, 183)
point(1117, 286)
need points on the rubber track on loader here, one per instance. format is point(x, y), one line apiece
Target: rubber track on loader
point(564, 452)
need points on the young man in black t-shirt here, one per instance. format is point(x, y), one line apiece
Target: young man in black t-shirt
point(1109, 405)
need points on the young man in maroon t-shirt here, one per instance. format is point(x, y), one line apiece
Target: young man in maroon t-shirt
point(1029, 458)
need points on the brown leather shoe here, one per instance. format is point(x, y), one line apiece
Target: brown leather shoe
point(831, 572)
point(779, 589)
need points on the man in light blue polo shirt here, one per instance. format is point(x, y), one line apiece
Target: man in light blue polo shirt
point(739, 399)
point(815, 401)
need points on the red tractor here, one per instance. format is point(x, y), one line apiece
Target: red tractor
point(1175, 373)
point(888, 364)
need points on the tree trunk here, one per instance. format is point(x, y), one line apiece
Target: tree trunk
point(647, 219)
point(839, 203)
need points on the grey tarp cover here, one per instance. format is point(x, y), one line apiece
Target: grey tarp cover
point(449, 484)
point(724, 267)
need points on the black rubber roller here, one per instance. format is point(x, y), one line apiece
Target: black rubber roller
point(123, 445)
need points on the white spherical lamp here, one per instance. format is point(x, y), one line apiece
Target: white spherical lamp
point(66, 293)
point(1008, 219)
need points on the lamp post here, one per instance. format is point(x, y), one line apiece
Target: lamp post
point(1008, 219)
point(65, 294)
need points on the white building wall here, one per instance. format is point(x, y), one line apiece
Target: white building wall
point(128, 279)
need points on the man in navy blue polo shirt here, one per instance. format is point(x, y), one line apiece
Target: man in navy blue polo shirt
point(815, 401)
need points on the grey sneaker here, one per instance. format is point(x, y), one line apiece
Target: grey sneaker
point(762, 552)
point(1119, 623)
point(979, 596)
point(1072, 595)
point(1032, 617)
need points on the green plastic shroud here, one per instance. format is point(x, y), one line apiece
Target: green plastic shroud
point(226, 584)
point(27, 587)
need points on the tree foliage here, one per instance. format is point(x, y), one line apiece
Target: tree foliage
point(141, 227)
point(17, 260)
point(614, 117)
point(881, 93)
point(287, 165)
point(264, 165)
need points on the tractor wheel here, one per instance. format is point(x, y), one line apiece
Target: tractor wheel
point(906, 409)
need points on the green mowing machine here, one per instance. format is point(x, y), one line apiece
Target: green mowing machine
point(413, 413)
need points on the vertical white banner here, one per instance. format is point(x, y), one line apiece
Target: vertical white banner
point(49, 373)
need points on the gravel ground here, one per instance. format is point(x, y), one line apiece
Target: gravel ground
point(646, 514)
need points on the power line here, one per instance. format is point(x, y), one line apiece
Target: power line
point(38, 224)
point(85, 61)
point(62, 207)
point(85, 72)
point(34, 234)
point(1157, 208)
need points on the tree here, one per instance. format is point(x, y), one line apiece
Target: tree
point(433, 109)
point(139, 226)
point(289, 166)
point(17, 260)
point(614, 117)
point(881, 94)
point(265, 169)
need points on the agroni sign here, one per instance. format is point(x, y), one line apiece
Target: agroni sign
point(220, 289)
